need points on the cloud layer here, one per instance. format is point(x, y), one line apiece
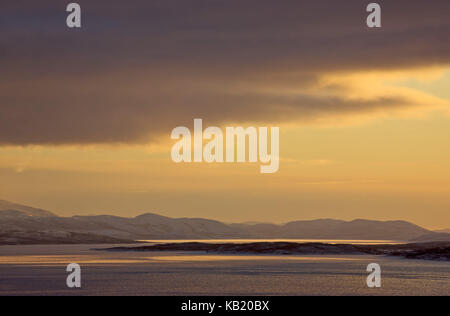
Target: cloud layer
point(135, 71)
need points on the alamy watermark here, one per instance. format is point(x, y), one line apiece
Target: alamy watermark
point(374, 278)
point(74, 278)
point(233, 147)
point(74, 17)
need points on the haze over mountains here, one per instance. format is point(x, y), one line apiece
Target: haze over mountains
point(23, 224)
point(31, 211)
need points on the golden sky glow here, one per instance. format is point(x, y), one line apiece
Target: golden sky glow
point(385, 166)
point(85, 118)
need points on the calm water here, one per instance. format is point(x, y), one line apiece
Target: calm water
point(40, 270)
point(243, 241)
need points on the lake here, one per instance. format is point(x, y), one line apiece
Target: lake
point(41, 270)
point(244, 241)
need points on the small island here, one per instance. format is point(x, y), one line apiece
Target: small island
point(427, 251)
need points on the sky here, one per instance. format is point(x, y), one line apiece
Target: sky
point(364, 114)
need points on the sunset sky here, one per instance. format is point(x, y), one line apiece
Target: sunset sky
point(86, 114)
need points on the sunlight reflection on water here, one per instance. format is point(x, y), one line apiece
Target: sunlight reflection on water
point(243, 241)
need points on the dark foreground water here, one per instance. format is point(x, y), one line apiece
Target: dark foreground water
point(41, 270)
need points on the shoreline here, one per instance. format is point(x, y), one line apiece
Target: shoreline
point(436, 251)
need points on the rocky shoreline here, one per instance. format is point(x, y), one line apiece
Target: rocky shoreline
point(426, 251)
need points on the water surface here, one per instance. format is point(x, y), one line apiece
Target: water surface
point(245, 241)
point(41, 270)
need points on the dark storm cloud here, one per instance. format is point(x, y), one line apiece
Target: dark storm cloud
point(138, 69)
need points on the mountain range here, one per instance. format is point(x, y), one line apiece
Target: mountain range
point(21, 224)
point(27, 210)
point(447, 231)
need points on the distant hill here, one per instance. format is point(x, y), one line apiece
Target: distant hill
point(432, 236)
point(447, 231)
point(20, 219)
point(55, 237)
point(30, 211)
point(337, 229)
